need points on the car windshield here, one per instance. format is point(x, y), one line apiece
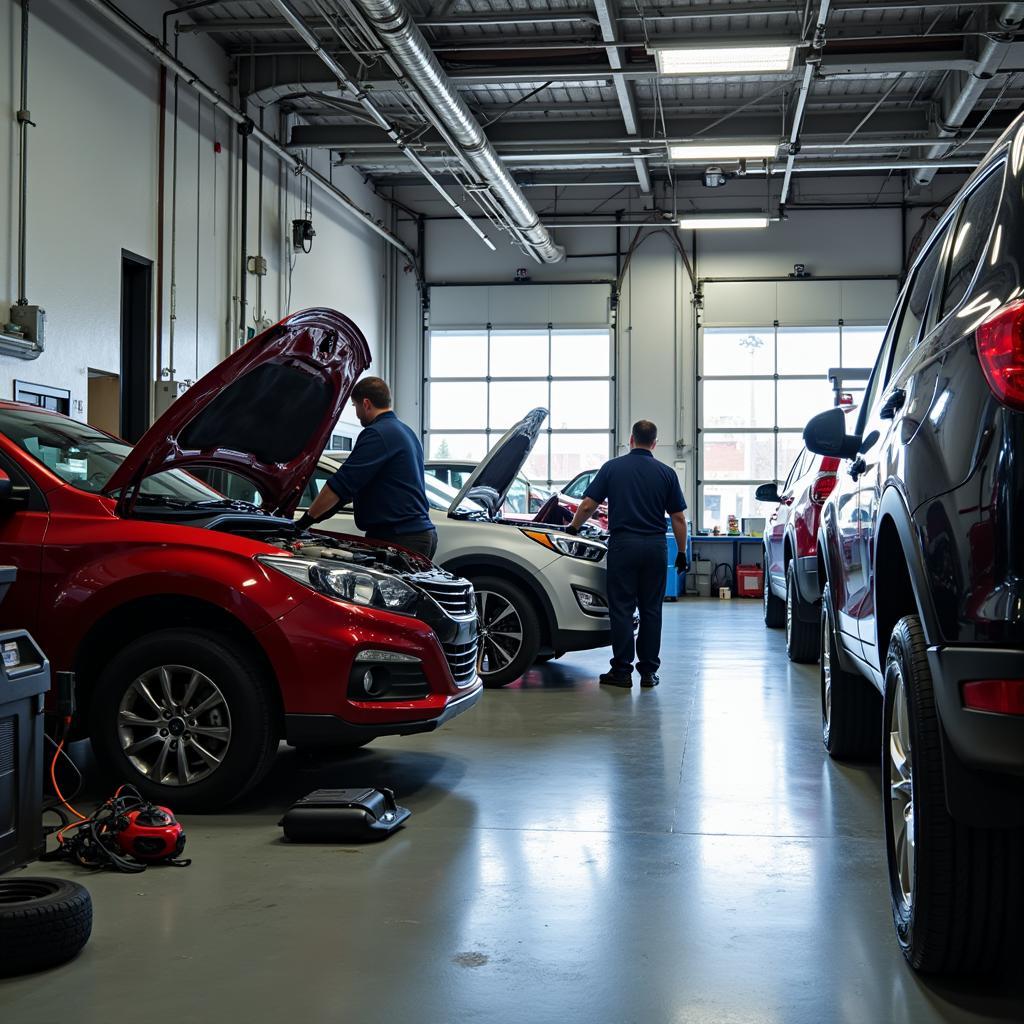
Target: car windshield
point(87, 458)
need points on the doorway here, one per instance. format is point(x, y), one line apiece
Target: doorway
point(136, 345)
point(105, 401)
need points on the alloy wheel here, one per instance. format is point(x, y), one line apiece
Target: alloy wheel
point(500, 631)
point(901, 791)
point(174, 725)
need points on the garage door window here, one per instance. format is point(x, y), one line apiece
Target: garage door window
point(758, 388)
point(481, 382)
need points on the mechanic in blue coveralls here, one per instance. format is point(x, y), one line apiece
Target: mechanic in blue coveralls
point(382, 477)
point(640, 491)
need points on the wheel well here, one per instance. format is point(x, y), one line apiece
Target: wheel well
point(545, 614)
point(894, 594)
point(130, 621)
point(787, 554)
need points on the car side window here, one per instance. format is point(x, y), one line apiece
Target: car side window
point(915, 309)
point(579, 486)
point(973, 229)
point(313, 487)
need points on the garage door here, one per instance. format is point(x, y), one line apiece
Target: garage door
point(764, 351)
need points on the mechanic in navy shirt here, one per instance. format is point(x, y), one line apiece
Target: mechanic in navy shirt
point(639, 490)
point(382, 477)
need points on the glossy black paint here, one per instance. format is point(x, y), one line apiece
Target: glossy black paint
point(928, 514)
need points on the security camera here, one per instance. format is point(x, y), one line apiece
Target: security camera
point(714, 177)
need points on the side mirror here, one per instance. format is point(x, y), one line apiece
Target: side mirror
point(768, 492)
point(826, 434)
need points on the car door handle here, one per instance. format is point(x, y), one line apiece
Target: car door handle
point(892, 404)
point(858, 467)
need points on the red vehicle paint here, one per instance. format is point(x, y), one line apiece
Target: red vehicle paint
point(561, 506)
point(200, 629)
point(791, 594)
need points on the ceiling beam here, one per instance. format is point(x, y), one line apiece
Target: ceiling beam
point(623, 89)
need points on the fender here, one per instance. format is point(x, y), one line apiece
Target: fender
point(893, 506)
point(240, 586)
point(500, 565)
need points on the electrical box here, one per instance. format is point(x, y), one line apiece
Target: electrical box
point(164, 393)
point(257, 265)
point(32, 321)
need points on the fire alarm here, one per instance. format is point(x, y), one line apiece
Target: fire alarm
point(217, 147)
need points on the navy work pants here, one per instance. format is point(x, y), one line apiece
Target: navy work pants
point(637, 569)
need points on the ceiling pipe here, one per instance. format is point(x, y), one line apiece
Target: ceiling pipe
point(989, 60)
point(152, 46)
point(410, 49)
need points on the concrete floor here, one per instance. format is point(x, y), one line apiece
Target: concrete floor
point(576, 854)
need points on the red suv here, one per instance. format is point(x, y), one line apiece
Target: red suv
point(202, 630)
point(791, 594)
point(561, 506)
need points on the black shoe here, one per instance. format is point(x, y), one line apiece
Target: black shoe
point(623, 679)
point(649, 680)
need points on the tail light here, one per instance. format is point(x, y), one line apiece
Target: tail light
point(1000, 342)
point(824, 484)
point(999, 696)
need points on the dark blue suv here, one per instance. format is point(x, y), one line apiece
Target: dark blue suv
point(921, 559)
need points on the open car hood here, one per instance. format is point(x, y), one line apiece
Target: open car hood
point(489, 483)
point(266, 412)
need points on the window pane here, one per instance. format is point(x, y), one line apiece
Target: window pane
point(808, 349)
point(860, 346)
point(971, 235)
point(789, 447)
point(917, 302)
point(739, 456)
point(519, 354)
point(738, 403)
point(536, 466)
point(579, 404)
point(573, 453)
point(460, 447)
point(458, 354)
point(731, 350)
point(512, 400)
point(458, 406)
point(723, 500)
point(799, 400)
point(581, 353)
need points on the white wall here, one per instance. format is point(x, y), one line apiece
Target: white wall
point(93, 192)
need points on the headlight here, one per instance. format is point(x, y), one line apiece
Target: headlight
point(357, 585)
point(565, 544)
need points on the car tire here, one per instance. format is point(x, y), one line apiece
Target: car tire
point(956, 891)
point(227, 746)
point(774, 607)
point(43, 922)
point(803, 638)
point(851, 717)
point(500, 603)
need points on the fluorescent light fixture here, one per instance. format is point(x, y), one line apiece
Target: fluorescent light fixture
point(724, 151)
point(723, 221)
point(724, 60)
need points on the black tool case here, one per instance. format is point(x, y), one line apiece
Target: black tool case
point(24, 679)
point(343, 816)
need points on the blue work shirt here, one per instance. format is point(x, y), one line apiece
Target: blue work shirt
point(639, 490)
point(383, 478)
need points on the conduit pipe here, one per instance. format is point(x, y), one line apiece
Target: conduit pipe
point(410, 49)
point(152, 46)
point(988, 64)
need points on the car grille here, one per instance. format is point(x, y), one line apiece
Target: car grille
point(462, 662)
point(454, 595)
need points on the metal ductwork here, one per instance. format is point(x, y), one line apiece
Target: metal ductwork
point(410, 49)
point(989, 60)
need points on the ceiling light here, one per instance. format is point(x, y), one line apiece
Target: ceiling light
point(724, 151)
point(701, 222)
point(723, 60)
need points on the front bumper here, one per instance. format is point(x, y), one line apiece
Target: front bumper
point(573, 629)
point(305, 730)
point(980, 740)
